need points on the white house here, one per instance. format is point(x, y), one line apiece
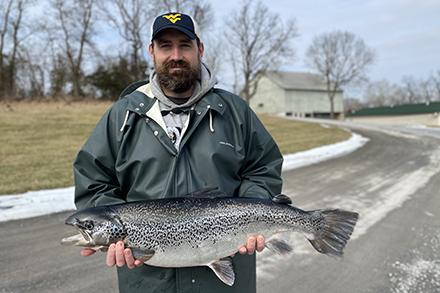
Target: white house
point(295, 94)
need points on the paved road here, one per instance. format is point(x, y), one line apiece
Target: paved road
point(393, 181)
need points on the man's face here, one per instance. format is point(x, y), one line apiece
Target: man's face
point(176, 60)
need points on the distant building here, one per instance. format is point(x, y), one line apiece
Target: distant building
point(421, 113)
point(294, 94)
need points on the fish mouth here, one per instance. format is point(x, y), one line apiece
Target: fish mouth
point(81, 239)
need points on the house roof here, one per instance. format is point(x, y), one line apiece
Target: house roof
point(298, 80)
point(407, 109)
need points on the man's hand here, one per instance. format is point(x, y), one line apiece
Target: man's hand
point(253, 243)
point(117, 255)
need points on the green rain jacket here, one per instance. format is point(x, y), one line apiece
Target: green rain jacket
point(129, 157)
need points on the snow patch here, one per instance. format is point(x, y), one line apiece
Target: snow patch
point(316, 155)
point(36, 203)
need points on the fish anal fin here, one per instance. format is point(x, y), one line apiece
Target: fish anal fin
point(142, 254)
point(279, 246)
point(224, 270)
point(281, 199)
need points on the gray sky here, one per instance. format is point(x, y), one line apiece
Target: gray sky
point(405, 34)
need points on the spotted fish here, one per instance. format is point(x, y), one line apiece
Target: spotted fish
point(206, 231)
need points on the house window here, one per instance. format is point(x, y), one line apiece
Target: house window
point(260, 105)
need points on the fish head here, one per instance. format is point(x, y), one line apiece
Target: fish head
point(96, 228)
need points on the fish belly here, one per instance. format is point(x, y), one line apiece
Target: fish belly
point(203, 253)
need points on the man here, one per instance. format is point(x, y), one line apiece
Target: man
point(170, 137)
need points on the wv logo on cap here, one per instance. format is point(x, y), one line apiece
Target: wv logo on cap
point(173, 17)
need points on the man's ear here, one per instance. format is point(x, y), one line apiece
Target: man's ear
point(201, 49)
point(151, 49)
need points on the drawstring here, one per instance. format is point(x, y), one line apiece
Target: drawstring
point(211, 122)
point(125, 121)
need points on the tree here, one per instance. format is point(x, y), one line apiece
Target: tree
point(75, 22)
point(352, 104)
point(132, 21)
point(341, 58)
point(381, 93)
point(436, 84)
point(258, 41)
point(12, 21)
point(200, 10)
point(111, 77)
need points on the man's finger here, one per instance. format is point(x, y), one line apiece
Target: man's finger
point(260, 243)
point(242, 250)
point(250, 245)
point(87, 252)
point(111, 252)
point(120, 258)
point(129, 259)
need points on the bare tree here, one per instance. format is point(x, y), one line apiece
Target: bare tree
point(9, 34)
point(4, 30)
point(381, 93)
point(352, 104)
point(341, 58)
point(410, 92)
point(132, 21)
point(200, 10)
point(74, 18)
point(258, 41)
point(436, 84)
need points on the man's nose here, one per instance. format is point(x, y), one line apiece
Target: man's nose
point(176, 54)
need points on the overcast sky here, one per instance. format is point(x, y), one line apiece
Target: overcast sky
point(405, 34)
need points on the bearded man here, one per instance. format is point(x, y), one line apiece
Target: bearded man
point(170, 137)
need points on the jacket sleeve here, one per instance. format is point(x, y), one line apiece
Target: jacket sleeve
point(94, 171)
point(261, 173)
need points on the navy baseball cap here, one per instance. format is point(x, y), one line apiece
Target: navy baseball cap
point(175, 20)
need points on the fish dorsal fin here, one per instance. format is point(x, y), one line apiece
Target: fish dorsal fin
point(224, 270)
point(281, 199)
point(279, 246)
point(142, 254)
point(208, 192)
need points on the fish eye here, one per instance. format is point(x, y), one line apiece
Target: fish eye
point(88, 225)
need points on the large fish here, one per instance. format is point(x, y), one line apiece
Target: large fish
point(205, 231)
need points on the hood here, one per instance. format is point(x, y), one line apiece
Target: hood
point(206, 83)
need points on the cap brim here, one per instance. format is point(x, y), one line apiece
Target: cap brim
point(188, 33)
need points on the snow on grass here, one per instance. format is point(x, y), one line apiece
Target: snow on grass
point(319, 154)
point(36, 203)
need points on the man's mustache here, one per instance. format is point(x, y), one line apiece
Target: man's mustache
point(176, 64)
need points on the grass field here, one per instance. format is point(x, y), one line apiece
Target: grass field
point(39, 141)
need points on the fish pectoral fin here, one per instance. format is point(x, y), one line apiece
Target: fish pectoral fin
point(279, 246)
point(224, 270)
point(142, 254)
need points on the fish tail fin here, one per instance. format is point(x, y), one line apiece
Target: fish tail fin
point(338, 227)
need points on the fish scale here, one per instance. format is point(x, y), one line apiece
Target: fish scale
point(197, 231)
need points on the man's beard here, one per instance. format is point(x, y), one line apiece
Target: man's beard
point(178, 81)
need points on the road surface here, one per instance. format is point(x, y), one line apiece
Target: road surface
point(393, 182)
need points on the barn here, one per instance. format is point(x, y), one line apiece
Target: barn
point(296, 94)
